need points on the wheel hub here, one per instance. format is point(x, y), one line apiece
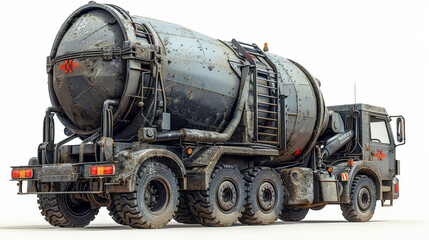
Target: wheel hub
point(156, 195)
point(227, 196)
point(266, 196)
point(364, 199)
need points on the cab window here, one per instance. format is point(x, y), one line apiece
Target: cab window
point(378, 130)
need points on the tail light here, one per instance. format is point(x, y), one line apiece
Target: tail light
point(22, 173)
point(396, 184)
point(102, 170)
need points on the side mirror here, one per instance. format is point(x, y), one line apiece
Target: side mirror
point(400, 129)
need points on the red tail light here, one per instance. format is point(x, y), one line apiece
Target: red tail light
point(102, 170)
point(22, 173)
point(396, 187)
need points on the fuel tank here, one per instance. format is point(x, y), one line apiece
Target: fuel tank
point(99, 54)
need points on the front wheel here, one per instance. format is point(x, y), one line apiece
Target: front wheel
point(362, 200)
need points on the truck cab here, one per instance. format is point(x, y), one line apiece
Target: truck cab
point(373, 149)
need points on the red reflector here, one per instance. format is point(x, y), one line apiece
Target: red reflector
point(22, 173)
point(102, 170)
point(397, 187)
point(15, 173)
point(93, 171)
point(344, 176)
point(108, 170)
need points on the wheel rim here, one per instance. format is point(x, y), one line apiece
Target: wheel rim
point(75, 205)
point(156, 195)
point(266, 196)
point(364, 199)
point(226, 196)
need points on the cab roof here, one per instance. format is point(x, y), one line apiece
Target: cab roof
point(359, 107)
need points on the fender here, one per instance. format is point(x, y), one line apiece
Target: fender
point(130, 162)
point(362, 168)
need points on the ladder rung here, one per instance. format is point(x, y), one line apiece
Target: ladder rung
point(266, 80)
point(266, 86)
point(268, 127)
point(267, 134)
point(246, 44)
point(255, 54)
point(270, 104)
point(270, 112)
point(263, 95)
point(269, 142)
point(151, 88)
point(270, 119)
point(266, 72)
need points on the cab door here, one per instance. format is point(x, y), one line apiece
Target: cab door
point(382, 146)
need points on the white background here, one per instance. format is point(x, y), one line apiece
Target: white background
point(382, 46)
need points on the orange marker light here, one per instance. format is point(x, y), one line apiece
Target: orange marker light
point(189, 151)
point(330, 169)
point(266, 47)
point(102, 170)
point(350, 163)
point(22, 173)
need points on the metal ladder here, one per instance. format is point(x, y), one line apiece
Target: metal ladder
point(266, 106)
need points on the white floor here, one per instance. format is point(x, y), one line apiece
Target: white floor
point(325, 224)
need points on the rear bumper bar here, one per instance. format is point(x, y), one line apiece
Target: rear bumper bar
point(49, 178)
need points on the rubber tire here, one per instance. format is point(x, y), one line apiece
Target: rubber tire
point(57, 213)
point(133, 210)
point(318, 208)
point(352, 212)
point(253, 214)
point(113, 209)
point(203, 204)
point(183, 214)
point(294, 215)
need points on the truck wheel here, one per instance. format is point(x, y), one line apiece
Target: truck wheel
point(113, 209)
point(293, 214)
point(65, 210)
point(318, 208)
point(183, 214)
point(223, 203)
point(362, 200)
point(155, 199)
point(264, 196)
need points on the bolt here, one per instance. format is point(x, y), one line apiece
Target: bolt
point(149, 133)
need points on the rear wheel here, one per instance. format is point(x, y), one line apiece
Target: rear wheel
point(293, 214)
point(183, 214)
point(264, 196)
point(362, 200)
point(66, 210)
point(318, 208)
point(155, 199)
point(223, 203)
point(113, 209)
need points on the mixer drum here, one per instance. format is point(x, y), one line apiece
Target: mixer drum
point(89, 64)
point(81, 85)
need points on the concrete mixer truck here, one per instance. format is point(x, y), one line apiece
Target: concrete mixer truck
point(172, 123)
